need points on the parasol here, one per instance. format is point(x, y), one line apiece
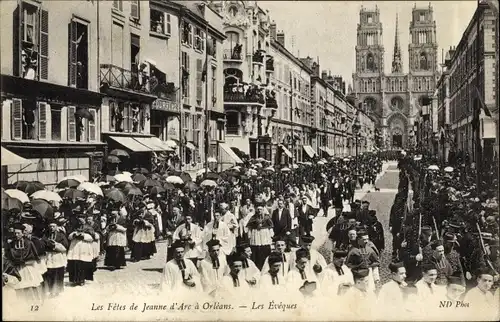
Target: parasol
point(134, 192)
point(43, 208)
point(208, 183)
point(138, 177)
point(174, 180)
point(68, 183)
point(125, 186)
point(116, 195)
point(156, 190)
point(433, 167)
point(90, 187)
point(119, 153)
point(113, 159)
point(72, 193)
point(141, 170)
point(191, 186)
point(17, 194)
point(149, 183)
point(123, 178)
point(286, 169)
point(29, 187)
point(168, 186)
point(46, 195)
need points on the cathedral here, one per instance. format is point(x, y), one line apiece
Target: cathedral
point(395, 99)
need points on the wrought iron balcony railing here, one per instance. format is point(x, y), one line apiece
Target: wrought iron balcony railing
point(242, 94)
point(258, 57)
point(270, 64)
point(122, 78)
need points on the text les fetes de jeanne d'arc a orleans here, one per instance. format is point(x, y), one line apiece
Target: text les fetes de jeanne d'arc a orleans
point(180, 306)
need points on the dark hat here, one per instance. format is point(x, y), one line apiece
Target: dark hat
point(393, 267)
point(242, 246)
point(339, 253)
point(428, 266)
point(366, 202)
point(485, 270)
point(362, 232)
point(275, 257)
point(235, 257)
point(307, 239)
point(212, 243)
point(456, 280)
point(487, 236)
point(360, 272)
point(178, 244)
point(301, 253)
point(435, 244)
point(426, 229)
point(372, 213)
point(450, 237)
point(52, 221)
point(18, 226)
point(279, 238)
point(494, 242)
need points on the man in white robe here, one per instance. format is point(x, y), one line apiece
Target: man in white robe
point(427, 290)
point(249, 272)
point(217, 229)
point(180, 275)
point(233, 284)
point(317, 262)
point(337, 277)
point(481, 298)
point(392, 293)
point(212, 267)
point(359, 300)
point(279, 249)
point(232, 223)
point(192, 236)
point(301, 273)
point(272, 281)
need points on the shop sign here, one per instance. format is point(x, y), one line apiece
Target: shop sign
point(165, 105)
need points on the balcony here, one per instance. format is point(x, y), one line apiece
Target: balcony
point(258, 57)
point(233, 55)
point(270, 64)
point(271, 99)
point(124, 79)
point(243, 93)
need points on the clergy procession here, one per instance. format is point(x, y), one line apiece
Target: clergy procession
point(248, 232)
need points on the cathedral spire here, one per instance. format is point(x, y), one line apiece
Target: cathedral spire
point(396, 60)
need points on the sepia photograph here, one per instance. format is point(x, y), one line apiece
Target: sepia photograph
point(243, 160)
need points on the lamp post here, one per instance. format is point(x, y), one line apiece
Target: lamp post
point(355, 129)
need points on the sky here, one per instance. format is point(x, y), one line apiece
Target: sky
point(327, 29)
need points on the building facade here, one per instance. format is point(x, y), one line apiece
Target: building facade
point(472, 79)
point(50, 89)
point(395, 99)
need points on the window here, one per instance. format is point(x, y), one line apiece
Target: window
point(214, 85)
point(232, 50)
point(159, 22)
point(199, 81)
point(92, 126)
point(199, 40)
point(32, 26)
point(118, 5)
point(186, 126)
point(185, 74)
point(135, 49)
point(78, 55)
point(71, 110)
point(369, 18)
point(187, 34)
point(55, 117)
point(422, 17)
point(117, 45)
point(232, 123)
point(135, 9)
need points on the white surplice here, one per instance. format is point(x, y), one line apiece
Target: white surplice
point(222, 234)
point(210, 277)
point(196, 237)
point(172, 277)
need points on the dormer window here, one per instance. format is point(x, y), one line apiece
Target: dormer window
point(369, 18)
point(422, 17)
point(233, 11)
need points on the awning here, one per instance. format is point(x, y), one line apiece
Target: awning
point(327, 151)
point(233, 158)
point(309, 150)
point(286, 151)
point(130, 143)
point(190, 146)
point(171, 143)
point(9, 158)
point(154, 143)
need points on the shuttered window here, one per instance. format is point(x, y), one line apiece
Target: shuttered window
point(71, 123)
point(118, 5)
point(169, 26)
point(134, 9)
point(17, 119)
point(44, 44)
point(92, 125)
point(42, 121)
point(199, 83)
point(72, 50)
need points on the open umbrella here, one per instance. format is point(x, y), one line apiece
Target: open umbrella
point(113, 159)
point(211, 176)
point(433, 167)
point(11, 204)
point(119, 153)
point(127, 173)
point(107, 178)
point(46, 195)
point(307, 163)
point(286, 169)
point(202, 172)
point(90, 187)
point(448, 169)
point(186, 177)
point(78, 177)
point(134, 192)
point(208, 183)
point(212, 160)
point(123, 178)
point(43, 208)
point(141, 170)
point(269, 169)
point(321, 162)
point(125, 186)
point(168, 186)
point(260, 160)
point(295, 166)
point(17, 194)
point(156, 176)
point(174, 180)
point(72, 194)
point(156, 190)
point(68, 183)
point(191, 186)
point(149, 183)
point(116, 195)
point(28, 186)
point(138, 177)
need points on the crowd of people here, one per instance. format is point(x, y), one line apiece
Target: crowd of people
point(251, 228)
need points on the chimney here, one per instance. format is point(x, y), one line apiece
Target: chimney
point(280, 37)
point(272, 30)
point(324, 75)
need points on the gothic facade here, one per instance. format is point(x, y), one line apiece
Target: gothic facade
point(394, 99)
